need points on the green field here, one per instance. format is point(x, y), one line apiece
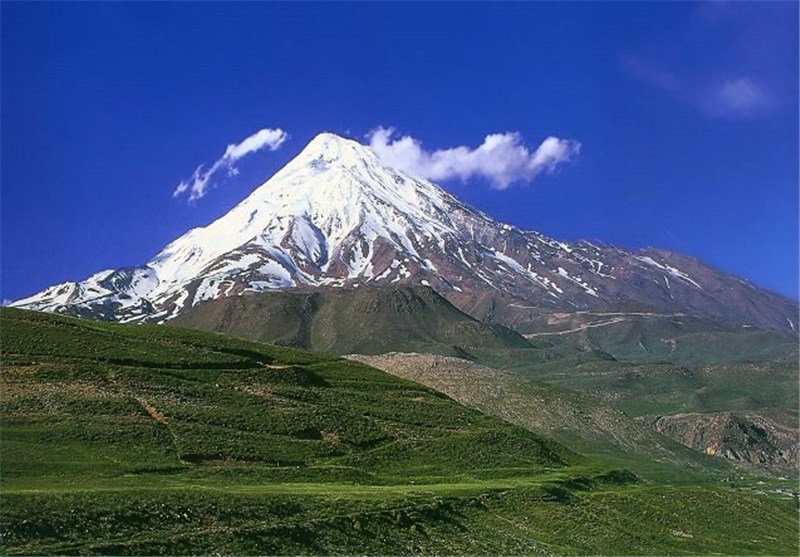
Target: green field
point(128, 439)
point(665, 365)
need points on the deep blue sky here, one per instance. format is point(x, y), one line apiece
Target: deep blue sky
point(687, 114)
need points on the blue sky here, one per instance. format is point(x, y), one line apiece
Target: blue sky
point(686, 115)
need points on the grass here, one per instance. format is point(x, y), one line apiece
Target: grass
point(459, 519)
point(641, 388)
point(136, 439)
point(378, 320)
point(577, 420)
point(661, 364)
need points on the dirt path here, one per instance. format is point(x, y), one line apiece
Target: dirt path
point(620, 313)
point(275, 366)
point(576, 329)
point(620, 317)
point(161, 419)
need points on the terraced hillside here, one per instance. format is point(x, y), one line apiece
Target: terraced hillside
point(124, 439)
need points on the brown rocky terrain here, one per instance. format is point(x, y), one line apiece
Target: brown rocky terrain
point(750, 438)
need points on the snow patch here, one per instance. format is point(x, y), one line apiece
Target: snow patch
point(577, 280)
point(673, 272)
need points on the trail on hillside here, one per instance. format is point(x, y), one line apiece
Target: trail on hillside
point(161, 419)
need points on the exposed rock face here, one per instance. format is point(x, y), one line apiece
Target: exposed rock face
point(749, 438)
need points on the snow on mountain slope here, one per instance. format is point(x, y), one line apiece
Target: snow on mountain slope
point(335, 216)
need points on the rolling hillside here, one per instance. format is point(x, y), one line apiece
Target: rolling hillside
point(726, 391)
point(648, 365)
point(579, 420)
point(124, 439)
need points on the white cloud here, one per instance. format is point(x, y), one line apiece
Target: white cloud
point(740, 96)
point(502, 158)
point(198, 184)
point(269, 138)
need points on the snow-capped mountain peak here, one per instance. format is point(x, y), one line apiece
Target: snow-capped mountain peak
point(333, 189)
point(336, 216)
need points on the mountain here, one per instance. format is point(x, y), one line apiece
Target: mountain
point(335, 216)
point(347, 320)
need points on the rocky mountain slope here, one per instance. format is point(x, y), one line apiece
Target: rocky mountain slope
point(336, 216)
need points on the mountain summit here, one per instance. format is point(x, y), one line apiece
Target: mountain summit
point(335, 216)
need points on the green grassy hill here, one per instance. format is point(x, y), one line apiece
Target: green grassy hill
point(660, 338)
point(360, 320)
point(681, 370)
point(126, 439)
point(648, 365)
point(659, 365)
point(579, 420)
